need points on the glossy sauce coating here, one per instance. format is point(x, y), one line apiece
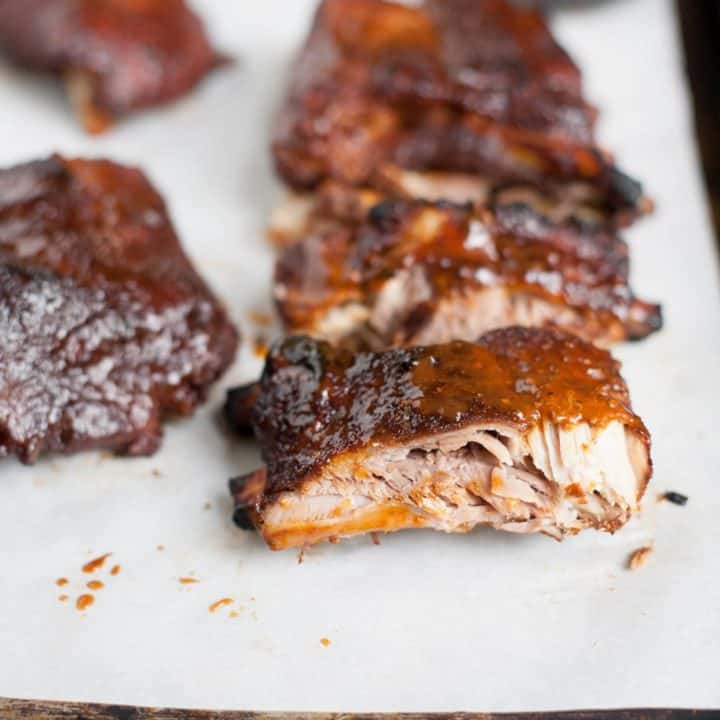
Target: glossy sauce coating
point(317, 402)
point(477, 86)
point(135, 53)
point(513, 245)
point(106, 326)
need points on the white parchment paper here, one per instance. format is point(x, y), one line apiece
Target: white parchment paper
point(482, 622)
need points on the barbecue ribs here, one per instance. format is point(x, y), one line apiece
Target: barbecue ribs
point(474, 87)
point(116, 56)
point(528, 431)
point(417, 273)
point(105, 327)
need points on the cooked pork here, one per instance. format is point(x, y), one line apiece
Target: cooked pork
point(463, 86)
point(116, 56)
point(527, 431)
point(423, 273)
point(239, 408)
point(105, 327)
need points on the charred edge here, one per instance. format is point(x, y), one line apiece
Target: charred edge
point(646, 319)
point(627, 189)
point(247, 492)
point(241, 518)
point(386, 215)
point(239, 408)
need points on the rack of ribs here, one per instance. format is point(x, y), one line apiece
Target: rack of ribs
point(417, 273)
point(473, 93)
point(527, 430)
point(116, 56)
point(106, 327)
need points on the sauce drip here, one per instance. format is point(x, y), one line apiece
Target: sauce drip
point(324, 642)
point(188, 580)
point(220, 603)
point(61, 582)
point(115, 570)
point(95, 564)
point(260, 347)
point(63, 598)
point(84, 601)
point(95, 585)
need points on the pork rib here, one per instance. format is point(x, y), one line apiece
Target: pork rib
point(105, 327)
point(527, 431)
point(417, 272)
point(463, 86)
point(116, 56)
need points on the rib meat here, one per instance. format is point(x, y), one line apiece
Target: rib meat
point(462, 86)
point(527, 431)
point(105, 327)
point(416, 272)
point(116, 56)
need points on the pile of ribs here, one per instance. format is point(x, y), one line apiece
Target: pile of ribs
point(115, 56)
point(450, 274)
point(106, 329)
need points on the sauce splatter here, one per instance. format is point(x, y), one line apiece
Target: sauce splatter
point(160, 547)
point(639, 557)
point(260, 347)
point(95, 564)
point(63, 598)
point(220, 603)
point(61, 582)
point(234, 614)
point(95, 585)
point(84, 602)
point(324, 642)
point(115, 570)
point(188, 580)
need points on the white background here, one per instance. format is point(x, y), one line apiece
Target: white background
point(424, 622)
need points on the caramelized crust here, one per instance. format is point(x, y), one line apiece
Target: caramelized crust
point(117, 55)
point(476, 86)
point(416, 272)
point(317, 402)
point(527, 431)
point(106, 326)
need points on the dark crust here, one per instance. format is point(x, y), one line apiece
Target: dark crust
point(317, 402)
point(139, 53)
point(247, 492)
point(106, 326)
point(475, 86)
point(571, 262)
point(239, 408)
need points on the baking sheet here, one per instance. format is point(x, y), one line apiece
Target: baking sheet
point(483, 622)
